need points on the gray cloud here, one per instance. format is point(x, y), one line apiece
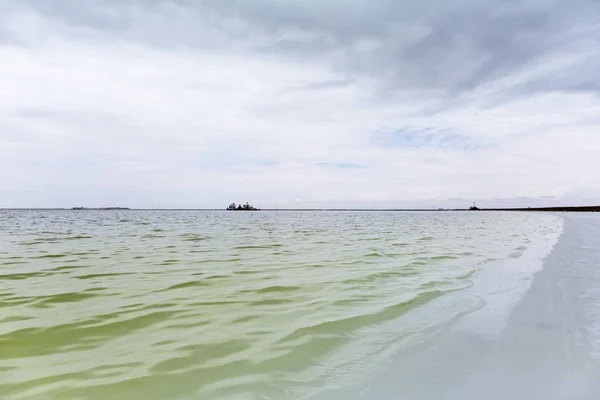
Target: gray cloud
point(452, 46)
point(276, 89)
point(448, 46)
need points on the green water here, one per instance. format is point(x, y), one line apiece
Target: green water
point(225, 305)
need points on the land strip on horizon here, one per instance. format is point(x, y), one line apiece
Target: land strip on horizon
point(547, 209)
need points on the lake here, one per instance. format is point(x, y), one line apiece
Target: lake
point(240, 305)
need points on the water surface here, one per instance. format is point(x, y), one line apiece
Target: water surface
point(231, 305)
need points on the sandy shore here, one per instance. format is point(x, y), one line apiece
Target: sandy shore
point(548, 346)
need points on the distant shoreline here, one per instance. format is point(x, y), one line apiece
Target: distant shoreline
point(548, 209)
point(102, 208)
point(522, 209)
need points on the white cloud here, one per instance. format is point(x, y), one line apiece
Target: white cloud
point(93, 116)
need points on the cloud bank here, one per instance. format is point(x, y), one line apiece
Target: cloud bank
point(299, 103)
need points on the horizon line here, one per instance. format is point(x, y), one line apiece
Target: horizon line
point(550, 208)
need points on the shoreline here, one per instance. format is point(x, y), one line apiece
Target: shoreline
point(550, 346)
point(548, 209)
point(544, 345)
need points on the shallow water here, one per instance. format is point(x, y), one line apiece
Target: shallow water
point(232, 305)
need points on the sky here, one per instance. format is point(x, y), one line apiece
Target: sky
point(302, 104)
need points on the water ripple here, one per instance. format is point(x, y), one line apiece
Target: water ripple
point(217, 305)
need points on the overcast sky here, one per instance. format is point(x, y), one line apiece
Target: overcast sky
point(365, 103)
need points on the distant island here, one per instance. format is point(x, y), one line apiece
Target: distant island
point(241, 207)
